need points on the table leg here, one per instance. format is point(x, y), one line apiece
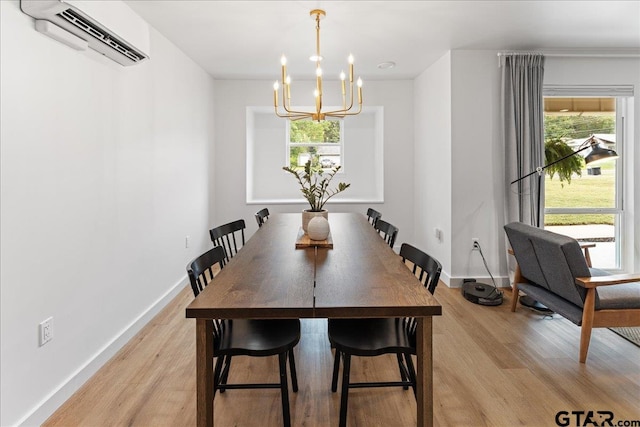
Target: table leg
point(204, 372)
point(424, 353)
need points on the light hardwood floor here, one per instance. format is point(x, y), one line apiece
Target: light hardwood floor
point(491, 368)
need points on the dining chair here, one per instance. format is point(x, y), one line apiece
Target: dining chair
point(246, 337)
point(388, 231)
point(225, 236)
point(262, 216)
point(378, 336)
point(373, 215)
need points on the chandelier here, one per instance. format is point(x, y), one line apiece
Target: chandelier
point(318, 114)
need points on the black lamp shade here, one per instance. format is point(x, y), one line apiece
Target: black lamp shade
point(599, 154)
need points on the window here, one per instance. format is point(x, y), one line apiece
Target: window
point(585, 201)
point(320, 142)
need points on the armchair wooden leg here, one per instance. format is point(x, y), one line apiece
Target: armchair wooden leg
point(587, 323)
point(515, 296)
point(517, 278)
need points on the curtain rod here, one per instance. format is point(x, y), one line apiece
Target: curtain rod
point(572, 54)
point(577, 54)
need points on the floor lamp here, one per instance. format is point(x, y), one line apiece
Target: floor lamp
point(598, 154)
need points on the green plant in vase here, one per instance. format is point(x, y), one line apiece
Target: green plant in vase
point(314, 184)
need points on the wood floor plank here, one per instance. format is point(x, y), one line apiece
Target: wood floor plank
point(491, 368)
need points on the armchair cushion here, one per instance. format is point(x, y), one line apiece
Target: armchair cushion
point(561, 260)
point(618, 297)
point(555, 303)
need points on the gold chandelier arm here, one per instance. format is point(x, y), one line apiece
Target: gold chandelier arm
point(297, 113)
point(286, 104)
point(292, 116)
point(343, 113)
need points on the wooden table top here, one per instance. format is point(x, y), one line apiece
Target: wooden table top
point(360, 277)
point(267, 273)
point(363, 277)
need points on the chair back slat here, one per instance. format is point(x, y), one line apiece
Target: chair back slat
point(373, 216)
point(225, 236)
point(201, 269)
point(201, 273)
point(262, 216)
point(388, 231)
point(427, 269)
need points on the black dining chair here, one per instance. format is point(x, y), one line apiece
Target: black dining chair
point(262, 216)
point(246, 337)
point(375, 337)
point(373, 216)
point(225, 236)
point(388, 231)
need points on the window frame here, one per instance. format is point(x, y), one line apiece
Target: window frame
point(264, 147)
point(618, 211)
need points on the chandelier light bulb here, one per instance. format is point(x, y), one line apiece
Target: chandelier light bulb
point(319, 72)
point(359, 82)
point(283, 60)
point(350, 59)
point(342, 76)
point(276, 85)
point(316, 93)
point(288, 80)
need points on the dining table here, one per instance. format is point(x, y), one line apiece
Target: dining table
point(357, 276)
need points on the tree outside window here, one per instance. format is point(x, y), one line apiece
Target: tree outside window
point(320, 142)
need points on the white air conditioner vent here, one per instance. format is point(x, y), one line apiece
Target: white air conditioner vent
point(110, 27)
point(94, 31)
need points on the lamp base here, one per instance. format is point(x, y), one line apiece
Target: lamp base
point(534, 305)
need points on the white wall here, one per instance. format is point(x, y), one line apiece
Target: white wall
point(459, 150)
point(104, 172)
point(432, 162)
point(229, 180)
point(477, 165)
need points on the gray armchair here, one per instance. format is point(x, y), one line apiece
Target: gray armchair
point(553, 270)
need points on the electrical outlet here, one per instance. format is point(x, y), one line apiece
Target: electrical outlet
point(46, 331)
point(475, 243)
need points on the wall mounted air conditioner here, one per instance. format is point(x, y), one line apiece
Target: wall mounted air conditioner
point(110, 27)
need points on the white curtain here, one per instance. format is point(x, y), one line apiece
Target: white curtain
point(523, 131)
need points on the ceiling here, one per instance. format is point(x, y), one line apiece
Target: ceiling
point(245, 39)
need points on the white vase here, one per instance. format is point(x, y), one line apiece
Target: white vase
point(318, 228)
point(307, 215)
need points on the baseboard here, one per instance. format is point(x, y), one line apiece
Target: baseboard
point(53, 401)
